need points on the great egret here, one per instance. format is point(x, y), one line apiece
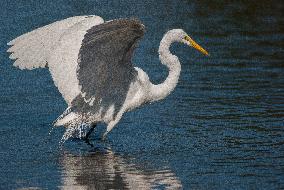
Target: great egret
point(90, 63)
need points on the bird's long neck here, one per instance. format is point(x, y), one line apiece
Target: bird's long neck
point(162, 90)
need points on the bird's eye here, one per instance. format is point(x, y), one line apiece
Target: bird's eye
point(186, 38)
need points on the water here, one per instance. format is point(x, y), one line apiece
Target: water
point(222, 127)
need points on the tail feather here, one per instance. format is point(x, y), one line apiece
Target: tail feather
point(67, 117)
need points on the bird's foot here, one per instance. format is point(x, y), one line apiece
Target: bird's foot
point(87, 137)
point(89, 133)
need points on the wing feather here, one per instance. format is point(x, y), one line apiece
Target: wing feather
point(63, 61)
point(105, 71)
point(90, 61)
point(32, 50)
point(56, 46)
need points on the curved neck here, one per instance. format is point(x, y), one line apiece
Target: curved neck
point(160, 91)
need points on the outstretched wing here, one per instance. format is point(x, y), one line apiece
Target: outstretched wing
point(57, 46)
point(32, 50)
point(63, 62)
point(90, 61)
point(104, 69)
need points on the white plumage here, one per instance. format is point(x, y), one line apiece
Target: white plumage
point(90, 63)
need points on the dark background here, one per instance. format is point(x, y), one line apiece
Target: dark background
point(222, 127)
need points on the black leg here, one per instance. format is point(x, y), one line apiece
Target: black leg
point(87, 140)
point(90, 131)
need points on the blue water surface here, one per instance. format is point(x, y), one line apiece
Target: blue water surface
point(222, 127)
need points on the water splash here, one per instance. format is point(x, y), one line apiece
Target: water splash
point(75, 131)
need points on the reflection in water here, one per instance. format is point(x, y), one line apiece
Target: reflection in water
point(222, 128)
point(106, 170)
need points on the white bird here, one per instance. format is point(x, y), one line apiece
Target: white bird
point(90, 63)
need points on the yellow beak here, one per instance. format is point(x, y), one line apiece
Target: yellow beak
point(196, 46)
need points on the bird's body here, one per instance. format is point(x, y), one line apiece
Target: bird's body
point(90, 63)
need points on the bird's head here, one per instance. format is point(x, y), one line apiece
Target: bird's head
point(180, 35)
